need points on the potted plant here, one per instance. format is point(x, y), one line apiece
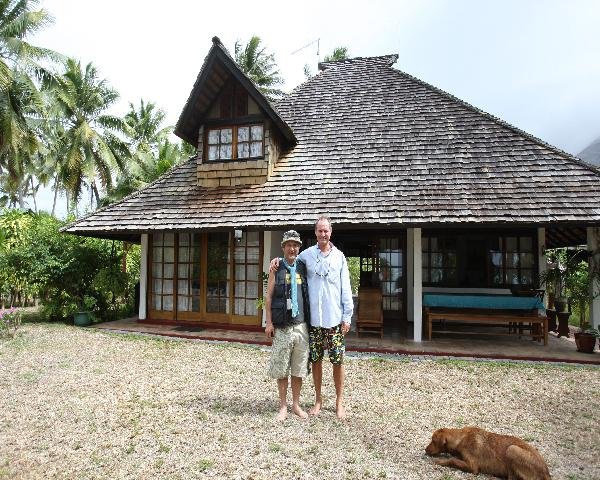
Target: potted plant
point(554, 278)
point(578, 285)
point(83, 316)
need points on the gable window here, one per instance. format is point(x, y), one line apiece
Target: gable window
point(238, 142)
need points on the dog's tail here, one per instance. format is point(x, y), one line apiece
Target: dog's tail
point(527, 464)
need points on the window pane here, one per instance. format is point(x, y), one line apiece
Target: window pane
point(184, 239)
point(256, 132)
point(168, 304)
point(168, 270)
point(157, 254)
point(168, 286)
point(243, 150)
point(250, 307)
point(183, 304)
point(183, 271)
point(252, 289)
point(157, 239)
point(169, 239)
point(169, 253)
point(526, 260)
point(239, 306)
point(157, 286)
point(226, 135)
point(156, 304)
point(225, 152)
point(195, 304)
point(240, 289)
point(183, 287)
point(213, 137)
point(213, 152)
point(526, 244)
point(243, 134)
point(252, 254)
point(240, 272)
point(184, 254)
point(157, 270)
point(252, 239)
point(252, 273)
point(256, 149)
point(511, 244)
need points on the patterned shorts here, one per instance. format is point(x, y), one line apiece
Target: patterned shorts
point(331, 339)
point(289, 353)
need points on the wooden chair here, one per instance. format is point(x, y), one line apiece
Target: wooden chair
point(370, 311)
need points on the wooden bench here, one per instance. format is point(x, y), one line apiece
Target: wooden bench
point(538, 324)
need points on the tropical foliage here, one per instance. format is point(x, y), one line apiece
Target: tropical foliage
point(40, 264)
point(260, 66)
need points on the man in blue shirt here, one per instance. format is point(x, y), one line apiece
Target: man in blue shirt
point(331, 306)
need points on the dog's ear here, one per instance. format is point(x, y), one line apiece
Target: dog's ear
point(443, 437)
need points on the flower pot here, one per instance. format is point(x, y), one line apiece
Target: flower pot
point(585, 342)
point(82, 319)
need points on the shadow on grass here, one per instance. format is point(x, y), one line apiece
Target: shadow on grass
point(232, 405)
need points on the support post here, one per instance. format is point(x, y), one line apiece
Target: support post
point(593, 245)
point(542, 263)
point(143, 277)
point(414, 238)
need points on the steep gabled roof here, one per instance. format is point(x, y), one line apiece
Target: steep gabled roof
point(377, 146)
point(218, 67)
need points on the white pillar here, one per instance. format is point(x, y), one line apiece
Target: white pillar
point(414, 237)
point(410, 252)
point(143, 277)
point(542, 264)
point(593, 245)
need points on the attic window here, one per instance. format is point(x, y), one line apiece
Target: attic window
point(235, 142)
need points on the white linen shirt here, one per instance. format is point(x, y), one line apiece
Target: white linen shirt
point(329, 290)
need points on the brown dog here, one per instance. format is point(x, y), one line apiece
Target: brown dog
point(479, 451)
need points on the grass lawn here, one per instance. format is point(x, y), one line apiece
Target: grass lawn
point(80, 403)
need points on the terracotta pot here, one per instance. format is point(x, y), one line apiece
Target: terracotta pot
point(585, 342)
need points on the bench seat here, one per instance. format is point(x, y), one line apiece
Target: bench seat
point(514, 318)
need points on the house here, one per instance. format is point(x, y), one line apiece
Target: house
point(426, 191)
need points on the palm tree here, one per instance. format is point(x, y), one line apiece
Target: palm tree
point(20, 102)
point(149, 165)
point(145, 124)
point(339, 53)
point(260, 66)
point(90, 146)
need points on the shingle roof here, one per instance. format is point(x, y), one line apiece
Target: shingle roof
point(377, 146)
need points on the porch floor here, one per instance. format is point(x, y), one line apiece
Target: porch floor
point(456, 344)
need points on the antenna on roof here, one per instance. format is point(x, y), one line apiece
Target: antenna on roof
point(317, 41)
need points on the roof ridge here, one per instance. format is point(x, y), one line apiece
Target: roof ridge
point(499, 121)
point(387, 60)
point(165, 175)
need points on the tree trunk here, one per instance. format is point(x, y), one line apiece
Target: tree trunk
point(96, 194)
point(33, 194)
point(55, 194)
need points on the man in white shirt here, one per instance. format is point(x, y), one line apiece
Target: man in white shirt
point(331, 306)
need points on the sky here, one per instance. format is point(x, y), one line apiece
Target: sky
point(533, 63)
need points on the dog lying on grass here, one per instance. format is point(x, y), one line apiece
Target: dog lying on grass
point(477, 451)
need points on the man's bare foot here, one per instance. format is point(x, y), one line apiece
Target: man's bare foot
point(340, 412)
point(282, 414)
point(298, 411)
point(316, 408)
